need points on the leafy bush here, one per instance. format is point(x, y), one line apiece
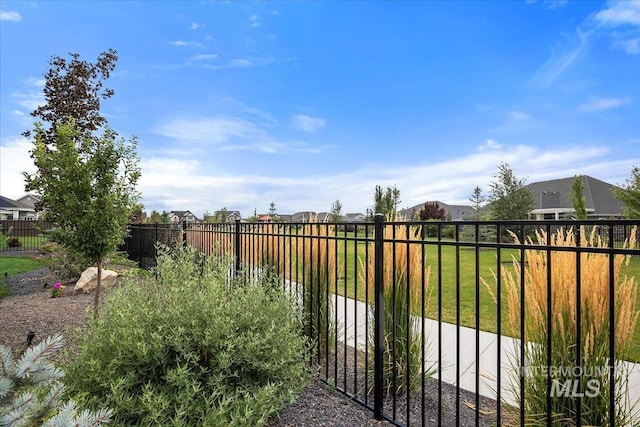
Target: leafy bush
point(65, 262)
point(48, 248)
point(192, 348)
point(14, 242)
point(31, 393)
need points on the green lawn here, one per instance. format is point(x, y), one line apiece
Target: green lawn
point(469, 288)
point(28, 242)
point(13, 265)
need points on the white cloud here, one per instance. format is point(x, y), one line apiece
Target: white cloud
point(204, 57)
point(182, 43)
point(10, 16)
point(194, 182)
point(518, 116)
point(561, 59)
point(196, 26)
point(601, 104)
point(307, 123)
point(622, 20)
point(490, 144)
point(240, 63)
point(631, 46)
point(14, 159)
point(29, 101)
point(228, 134)
point(620, 13)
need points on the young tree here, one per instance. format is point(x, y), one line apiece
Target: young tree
point(629, 194)
point(154, 217)
point(577, 198)
point(221, 216)
point(386, 202)
point(336, 211)
point(432, 211)
point(273, 214)
point(509, 197)
point(73, 89)
point(478, 199)
point(88, 189)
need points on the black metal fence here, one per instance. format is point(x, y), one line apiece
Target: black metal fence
point(142, 241)
point(23, 235)
point(423, 322)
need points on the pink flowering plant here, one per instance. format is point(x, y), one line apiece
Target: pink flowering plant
point(57, 290)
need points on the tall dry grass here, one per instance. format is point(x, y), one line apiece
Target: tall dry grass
point(593, 343)
point(405, 282)
point(316, 255)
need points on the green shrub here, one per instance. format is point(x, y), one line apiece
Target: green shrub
point(48, 248)
point(14, 242)
point(66, 263)
point(192, 348)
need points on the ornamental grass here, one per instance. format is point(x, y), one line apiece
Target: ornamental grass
point(578, 366)
point(406, 291)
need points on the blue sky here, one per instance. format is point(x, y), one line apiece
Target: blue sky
point(238, 104)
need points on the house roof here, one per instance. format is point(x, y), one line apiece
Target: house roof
point(457, 211)
point(556, 194)
point(13, 205)
point(181, 214)
point(353, 217)
point(303, 216)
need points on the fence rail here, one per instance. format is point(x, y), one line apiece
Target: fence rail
point(23, 235)
point(453, 323)
point(423, 322)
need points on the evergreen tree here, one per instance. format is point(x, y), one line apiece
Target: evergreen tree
point(577, 198)
point(477, 199)
point(509, 197)
point(31, 391)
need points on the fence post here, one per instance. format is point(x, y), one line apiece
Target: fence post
point(237, 246)
point(378, 332)
point(184, 234)
point(139, 250)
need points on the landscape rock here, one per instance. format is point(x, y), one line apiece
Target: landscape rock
point(89, 279)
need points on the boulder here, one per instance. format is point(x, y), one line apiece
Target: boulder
point(89, 279)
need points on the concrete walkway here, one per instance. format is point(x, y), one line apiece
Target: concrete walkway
point(351, 318)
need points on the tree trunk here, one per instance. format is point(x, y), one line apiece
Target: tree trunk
point(99, 283)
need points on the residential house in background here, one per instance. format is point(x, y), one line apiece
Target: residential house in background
point(303, 216)
point(181, 216)
point(354, 217)
point(31, 200)
point(553, 199)
point(231, 216)
point(455, 212)
point(13, 209)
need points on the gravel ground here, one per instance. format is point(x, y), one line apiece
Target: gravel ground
point(31, 308)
